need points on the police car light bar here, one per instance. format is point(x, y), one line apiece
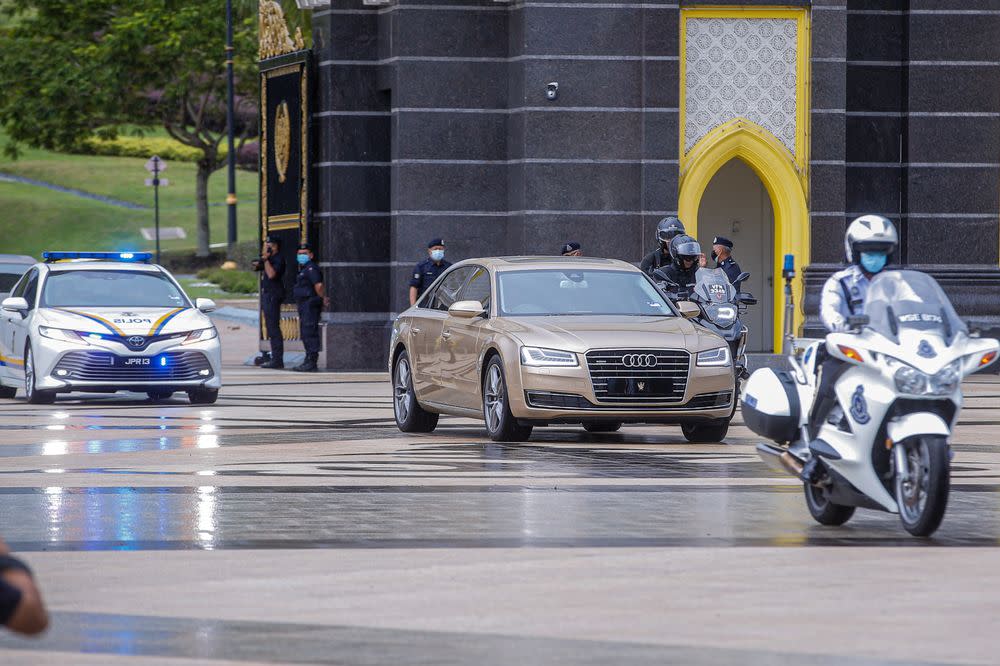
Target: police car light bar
point(143, 257)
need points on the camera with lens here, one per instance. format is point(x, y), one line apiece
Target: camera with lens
point(258, 264)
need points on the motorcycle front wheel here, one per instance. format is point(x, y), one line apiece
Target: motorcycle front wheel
point(923, 480)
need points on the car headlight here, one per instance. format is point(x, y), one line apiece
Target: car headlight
point(714, 357)
point(61, 334)
point(201, 335)
point(540, 357)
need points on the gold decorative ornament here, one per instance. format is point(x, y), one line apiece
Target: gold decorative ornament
point(282, 140)
point(273, 36)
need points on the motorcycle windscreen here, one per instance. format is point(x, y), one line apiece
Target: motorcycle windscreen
point(712, 286)
point(910, 300)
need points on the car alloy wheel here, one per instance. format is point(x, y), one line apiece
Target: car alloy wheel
point(403, 397)
point(29, 376)
point(494, 398)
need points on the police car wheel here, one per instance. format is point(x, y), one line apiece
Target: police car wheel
point(706, 431)
point(500, 423)
point(33, 395)
point(410, 416)
point(203, 396)
point(8, 392)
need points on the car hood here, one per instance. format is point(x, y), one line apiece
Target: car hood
point(125, 322)
point(580, 333)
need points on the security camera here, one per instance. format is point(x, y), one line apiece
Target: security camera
point(552, 91)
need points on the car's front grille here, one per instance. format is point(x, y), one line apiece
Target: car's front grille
point(639, 376)
point(91, 366)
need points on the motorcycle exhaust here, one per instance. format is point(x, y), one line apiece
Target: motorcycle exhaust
point(779, 459)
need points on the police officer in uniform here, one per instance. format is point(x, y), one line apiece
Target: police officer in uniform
point(428, 270)
point(722, 253)
point(667, 229)
point(571, 249)
point(272, 294)
point(310, 299)
point(684, 253)
point(868, 244)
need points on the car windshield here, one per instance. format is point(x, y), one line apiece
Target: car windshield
point(910, 299)
point(579, 292)
point(10, 274)
point(111, 289)
point(713, 286)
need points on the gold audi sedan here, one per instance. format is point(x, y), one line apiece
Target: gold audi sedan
point(531, 341)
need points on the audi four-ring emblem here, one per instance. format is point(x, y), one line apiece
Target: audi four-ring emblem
point(639, 361)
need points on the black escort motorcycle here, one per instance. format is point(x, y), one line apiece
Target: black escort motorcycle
point(722, 308)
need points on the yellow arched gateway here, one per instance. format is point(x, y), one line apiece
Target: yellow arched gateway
point(781, 165)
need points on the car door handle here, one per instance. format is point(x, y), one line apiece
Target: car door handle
point(414, 329)
point(445, 334)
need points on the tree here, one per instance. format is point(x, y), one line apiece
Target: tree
point(69, 70)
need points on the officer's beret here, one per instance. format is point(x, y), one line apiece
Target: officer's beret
point(273, 239)
point(572, 246)
point(436, 241)
point(722, 240)
point(306, 246)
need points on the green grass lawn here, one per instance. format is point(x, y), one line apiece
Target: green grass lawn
point(34, 218)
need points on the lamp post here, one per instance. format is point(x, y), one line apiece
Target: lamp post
point(231, 157)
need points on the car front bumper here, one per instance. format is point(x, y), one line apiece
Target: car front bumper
point(65, 367)
point(566, 395)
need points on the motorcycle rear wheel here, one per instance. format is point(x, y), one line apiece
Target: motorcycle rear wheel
point(822, 509)
point(922, 488)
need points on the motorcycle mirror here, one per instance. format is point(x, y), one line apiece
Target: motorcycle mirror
point(747, 299)
point(660, 275)
point(688, 309)
point(857, 322)
point(743, 277)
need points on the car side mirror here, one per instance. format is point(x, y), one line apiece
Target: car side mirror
point(746, 299)
point(466, 309)
point(688, 309)
point(205, 304)
point(15, 304)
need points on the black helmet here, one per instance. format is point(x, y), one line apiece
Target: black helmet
point(684, 247)
point(668, 228)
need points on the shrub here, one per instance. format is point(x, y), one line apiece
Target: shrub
point(139, 146)
point(238, 282)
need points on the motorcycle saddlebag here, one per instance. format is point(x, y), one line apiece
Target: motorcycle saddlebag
point(770, 405)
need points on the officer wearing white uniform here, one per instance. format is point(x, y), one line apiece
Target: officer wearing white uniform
point(869, 242)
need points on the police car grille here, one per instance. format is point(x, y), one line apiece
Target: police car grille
point(616, 377)
point(99, 367)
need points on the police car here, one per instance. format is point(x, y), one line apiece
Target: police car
point(106, 322)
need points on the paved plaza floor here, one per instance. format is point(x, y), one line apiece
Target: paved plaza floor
point(292, 523)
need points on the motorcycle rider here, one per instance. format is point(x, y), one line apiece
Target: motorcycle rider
point(667, 229)
point(684, 254)
point(868, 244)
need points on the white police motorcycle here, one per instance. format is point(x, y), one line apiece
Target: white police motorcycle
point(884, 444)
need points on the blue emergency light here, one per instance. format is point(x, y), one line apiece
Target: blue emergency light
point(140, 257)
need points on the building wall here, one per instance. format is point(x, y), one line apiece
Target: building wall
point(432, 120)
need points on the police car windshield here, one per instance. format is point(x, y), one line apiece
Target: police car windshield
point(111, 289)
point(579, 292)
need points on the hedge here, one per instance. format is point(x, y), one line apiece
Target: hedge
point(165, 147)
point(232, 281)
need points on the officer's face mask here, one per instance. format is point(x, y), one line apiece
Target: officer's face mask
point(302, 258)
point(437, 255)
point(715, 255)
point(873, 262)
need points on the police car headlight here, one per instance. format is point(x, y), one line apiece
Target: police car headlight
point(714, 357)
point(61, 334)
point(539, 357)
point(201, 335)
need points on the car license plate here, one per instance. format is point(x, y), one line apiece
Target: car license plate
point(133, 362)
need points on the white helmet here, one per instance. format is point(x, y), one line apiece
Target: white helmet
point(870, 233)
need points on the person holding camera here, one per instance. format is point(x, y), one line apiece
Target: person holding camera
point(272, 294)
